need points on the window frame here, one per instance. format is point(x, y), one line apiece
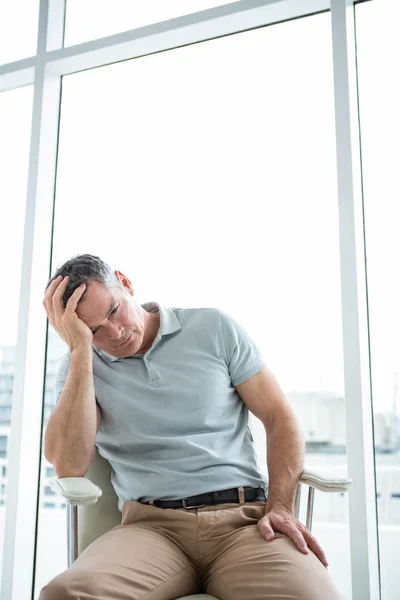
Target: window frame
point(45, 71)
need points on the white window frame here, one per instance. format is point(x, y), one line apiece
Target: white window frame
point(44, 71)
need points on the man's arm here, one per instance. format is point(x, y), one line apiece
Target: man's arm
point(285, 459)
point(69, 442)
point(285, 443)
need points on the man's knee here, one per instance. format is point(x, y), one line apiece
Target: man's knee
point(73, 584)
point(311, 584)
point(303, 576)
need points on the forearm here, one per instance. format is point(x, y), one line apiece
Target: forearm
point(71, 431)
point(285, 461)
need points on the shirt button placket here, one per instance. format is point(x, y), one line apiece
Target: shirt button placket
point(148, 366)
point(152, 371)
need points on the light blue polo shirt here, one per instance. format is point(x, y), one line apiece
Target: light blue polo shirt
point(173, 425)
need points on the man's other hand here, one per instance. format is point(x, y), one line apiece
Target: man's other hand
point(283, 521)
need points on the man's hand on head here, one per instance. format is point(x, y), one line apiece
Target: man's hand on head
point(65, 321)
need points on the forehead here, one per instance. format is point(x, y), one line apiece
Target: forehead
point(96, 303)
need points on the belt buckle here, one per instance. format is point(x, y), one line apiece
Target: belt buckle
point(189, 507)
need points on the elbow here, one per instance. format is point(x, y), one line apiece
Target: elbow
point(62, 472)
point(63, 469)
point(48, 453)
point(67, 461)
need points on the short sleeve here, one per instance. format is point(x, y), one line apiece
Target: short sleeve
point(243, 358)
point(61, 375)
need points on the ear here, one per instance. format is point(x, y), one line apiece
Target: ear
point(125, 282)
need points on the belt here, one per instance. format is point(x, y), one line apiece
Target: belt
point(209, 498)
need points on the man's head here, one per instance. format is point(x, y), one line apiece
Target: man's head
point(119, 324)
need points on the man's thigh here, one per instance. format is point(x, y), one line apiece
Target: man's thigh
point(248, 566)
point(127, 563)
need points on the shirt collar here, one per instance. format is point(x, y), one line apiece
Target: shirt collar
point(168, 324)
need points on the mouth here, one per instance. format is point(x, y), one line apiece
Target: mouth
point(126, 342)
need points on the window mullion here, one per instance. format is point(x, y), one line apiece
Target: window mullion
point(24, 442)
point(362, 500)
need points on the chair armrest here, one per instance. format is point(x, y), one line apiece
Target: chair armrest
point(81, 491)
point(76, 490)
point(328, 481)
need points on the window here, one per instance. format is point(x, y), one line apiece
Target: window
point(5, 414)
point(15, 127)
point(121, 15)
point(229, 167)
point(380, 131)
point(5, 398)
point(18, 35)
point(3, 446)
point(6, 383)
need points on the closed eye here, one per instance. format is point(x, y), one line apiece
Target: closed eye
point(94, 331)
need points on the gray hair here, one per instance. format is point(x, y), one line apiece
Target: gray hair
point(84, 268)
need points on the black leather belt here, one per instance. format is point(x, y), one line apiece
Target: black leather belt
point(221, 497)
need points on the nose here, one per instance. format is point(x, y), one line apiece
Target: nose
point(114, 330)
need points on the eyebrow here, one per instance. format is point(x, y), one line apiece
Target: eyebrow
point(113, 305)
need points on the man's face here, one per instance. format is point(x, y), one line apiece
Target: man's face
point(115, 318)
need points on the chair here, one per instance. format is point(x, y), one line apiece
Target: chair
point(93, 504)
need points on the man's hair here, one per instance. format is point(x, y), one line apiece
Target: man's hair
point(84, 268)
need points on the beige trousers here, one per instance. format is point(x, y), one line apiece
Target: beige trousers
point(162, 554)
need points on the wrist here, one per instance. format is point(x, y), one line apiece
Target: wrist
point(81, 349)
point(270, 506)
point(279, 504)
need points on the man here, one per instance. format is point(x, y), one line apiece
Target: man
point(164, 394)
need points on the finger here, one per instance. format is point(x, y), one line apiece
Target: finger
point(313, 544)
point(74, 299)
point(57, 302)
point(266, 530)
point(50, 290)
point(48, 299)
point(297, 537)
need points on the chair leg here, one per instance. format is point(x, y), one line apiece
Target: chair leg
point(297, 502)
point(72, 533)
point(310, 507)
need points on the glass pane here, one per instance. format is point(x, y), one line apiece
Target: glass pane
point(15, 129)
point(207, 174)
point(380, 132)
point(122, 15)
point(18, 29)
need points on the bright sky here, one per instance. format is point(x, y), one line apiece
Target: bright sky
point(207, 174)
